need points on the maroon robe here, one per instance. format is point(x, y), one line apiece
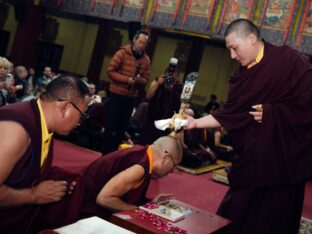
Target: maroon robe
point(98, 173)
point(163, 105)
point(274, 156)
point(27, 173)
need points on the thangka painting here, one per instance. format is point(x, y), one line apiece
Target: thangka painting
point(238, 9)
point(200, 7)
point(197, 15)
point(304, 33)
point(164, 13)
point(105, 1)
point(167, 6)
point(108, 9)
point(135, 3)
point(132, 9)
point(234, 9)
point(276, 20)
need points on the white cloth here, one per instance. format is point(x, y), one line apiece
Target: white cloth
point(163, 124)
point(93, 225)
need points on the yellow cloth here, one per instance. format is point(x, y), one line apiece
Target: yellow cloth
point(149, 152)
point(150, 158)
point(46, 136)
point(259, 57)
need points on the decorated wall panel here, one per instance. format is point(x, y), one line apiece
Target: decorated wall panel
point(277, 20)
point(303, 35)
point(280, 21)
point(234, 9)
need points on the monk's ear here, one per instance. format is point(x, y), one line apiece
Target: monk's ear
point(62, 107)
point(252, 38)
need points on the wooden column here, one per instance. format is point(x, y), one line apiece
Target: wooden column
point(99, 51)
point(153, 42)
point(195, 56)
point(27, 36)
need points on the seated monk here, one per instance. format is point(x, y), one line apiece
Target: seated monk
point(119, 180)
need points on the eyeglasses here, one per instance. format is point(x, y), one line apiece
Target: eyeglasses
point(174, 164)
point(83, 115)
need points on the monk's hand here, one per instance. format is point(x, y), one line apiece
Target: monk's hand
point(191, 122)
point(49, 191)
point(163, 198)
point(71, 187)
point(257, 113)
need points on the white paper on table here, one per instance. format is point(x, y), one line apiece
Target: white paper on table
point(93, 225)
point(163, 124)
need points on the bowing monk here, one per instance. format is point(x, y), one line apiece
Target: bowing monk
point(119, 180)
point(33, 195)
point(268, 113)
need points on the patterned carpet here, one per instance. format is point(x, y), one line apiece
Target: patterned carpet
point(305, 226)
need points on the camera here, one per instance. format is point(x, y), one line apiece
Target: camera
point(169, 79)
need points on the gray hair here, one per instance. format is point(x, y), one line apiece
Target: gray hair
point(172, 144)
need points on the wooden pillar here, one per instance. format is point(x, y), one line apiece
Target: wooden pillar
point(27, 35)
point(99, 51)
point(195, 56)
point(153, 42)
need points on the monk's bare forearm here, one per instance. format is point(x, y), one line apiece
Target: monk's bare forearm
point(15, 197)
point(207, 122)
point(114, 204)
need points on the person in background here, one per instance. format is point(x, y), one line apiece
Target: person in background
point(31, 79)
point(163, 97)
point(129, 72)
point(20, 82)
point(212, 104)
point(94, 97)
point(269, 116)
point(4, 67)
point(46, 77)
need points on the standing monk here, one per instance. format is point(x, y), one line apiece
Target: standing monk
point(269, 115)
point(32, 193)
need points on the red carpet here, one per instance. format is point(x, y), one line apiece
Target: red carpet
point(197, 190)
point(72, 157)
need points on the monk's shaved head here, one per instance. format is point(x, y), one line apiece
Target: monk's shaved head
point(242, 27)
point(172, 145)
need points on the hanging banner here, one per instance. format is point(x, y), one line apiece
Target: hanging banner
point(132, 9)
point(303, 36)
point(235, 9)
point(164, 14)
point(306, 23)
point(277, 19)
point(199, 8)
point(165, 7)
point(94, 3)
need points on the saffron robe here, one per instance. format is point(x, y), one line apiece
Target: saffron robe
point(98, 173)
point(27, 173)
point(275, 155)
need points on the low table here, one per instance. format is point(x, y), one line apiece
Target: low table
point(198, 222)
